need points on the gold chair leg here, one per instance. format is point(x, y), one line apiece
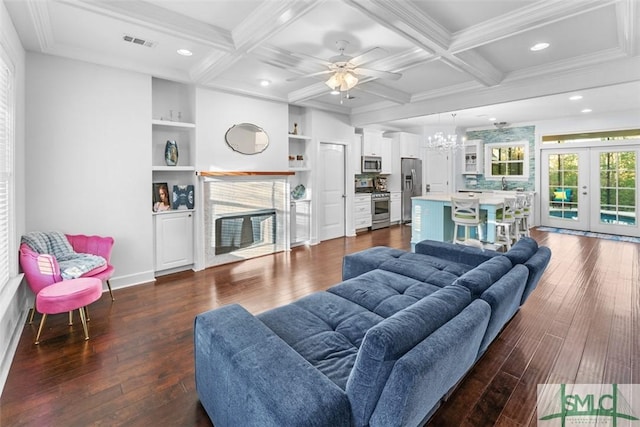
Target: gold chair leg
point(33, 312)
point(110, 291)
point(71, 318)
point(84, 323)
point(86, 313)
point(44, 317)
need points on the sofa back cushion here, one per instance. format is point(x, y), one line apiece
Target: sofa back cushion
point(483, 276)
point(523, 249)
point(390, 339)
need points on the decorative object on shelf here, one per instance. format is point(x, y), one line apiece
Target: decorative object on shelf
point(444, 142)
point(298, 192)
point(300, 160)
point(247, 138)
point(295, 129)
point(183, 197)
point(161, 198)
point(171, 153)
point(292, 161)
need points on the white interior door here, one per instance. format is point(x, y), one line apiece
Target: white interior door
point(332, 193)
point(591, 189)
point(436, 172)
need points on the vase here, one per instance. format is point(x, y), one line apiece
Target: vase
point(171, 153)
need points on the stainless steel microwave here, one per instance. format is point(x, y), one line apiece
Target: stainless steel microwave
point(371, 164)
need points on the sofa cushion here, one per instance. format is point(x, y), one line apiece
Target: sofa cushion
point(483, 276)
point(325, 329)
point(522, 250)
point(426, 268)
point(383, 292)
point(369, 259)
point(390, 339)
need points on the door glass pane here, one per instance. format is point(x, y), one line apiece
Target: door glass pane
point(618, 188)
point(563, 186)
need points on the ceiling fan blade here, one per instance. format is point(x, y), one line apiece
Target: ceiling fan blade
point(311, 58)
point(377, 73)
point(370, 55)
point(319, 73)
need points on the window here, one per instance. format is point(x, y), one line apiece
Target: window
point(507, 159)
point(8, 266)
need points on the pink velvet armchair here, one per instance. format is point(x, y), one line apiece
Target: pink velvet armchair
point(42, 270)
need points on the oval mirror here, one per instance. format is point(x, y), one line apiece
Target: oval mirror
point(247, 138)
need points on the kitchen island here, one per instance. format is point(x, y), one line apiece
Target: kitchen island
point(431, 216)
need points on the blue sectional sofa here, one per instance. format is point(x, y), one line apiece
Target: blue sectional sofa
point(381, 348)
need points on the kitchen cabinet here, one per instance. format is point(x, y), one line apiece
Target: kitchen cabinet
point(374, 144)
point(362, 211)
point(396, 205)
point(472, 157)
point(409, 145)
point(173, 239)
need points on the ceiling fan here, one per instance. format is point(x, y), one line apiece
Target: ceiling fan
point(344, 69)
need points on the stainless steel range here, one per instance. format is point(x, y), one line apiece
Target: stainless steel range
point(380, 209)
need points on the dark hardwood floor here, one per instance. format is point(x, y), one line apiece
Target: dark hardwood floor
point(580, 325)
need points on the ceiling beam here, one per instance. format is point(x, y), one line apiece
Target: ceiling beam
point(268, 19)
point(523, 19)
point(412, 23)
point(627, 17)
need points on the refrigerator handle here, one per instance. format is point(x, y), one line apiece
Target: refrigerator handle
point(413, 178)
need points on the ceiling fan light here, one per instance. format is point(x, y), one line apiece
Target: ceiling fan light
point(350, 80)
point(333, 81)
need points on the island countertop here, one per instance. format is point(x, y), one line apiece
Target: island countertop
point(485, 198)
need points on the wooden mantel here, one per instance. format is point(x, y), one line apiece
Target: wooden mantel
point(243, 173)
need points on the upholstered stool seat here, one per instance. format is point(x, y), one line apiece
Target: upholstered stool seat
point(68, 295)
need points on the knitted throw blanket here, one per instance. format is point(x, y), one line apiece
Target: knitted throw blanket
point(72, 264)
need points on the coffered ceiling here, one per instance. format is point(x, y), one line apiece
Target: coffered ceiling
point(454, 55)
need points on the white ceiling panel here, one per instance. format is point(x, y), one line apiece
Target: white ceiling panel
point(452, 54)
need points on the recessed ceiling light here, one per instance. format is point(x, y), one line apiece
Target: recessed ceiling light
point(539, 46)
point(492, 119)
point(185, 52)
point(586, 110)
point(265, 82)
point(575, 97)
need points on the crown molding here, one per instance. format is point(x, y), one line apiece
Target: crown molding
point(158, 19)
point(39, 14)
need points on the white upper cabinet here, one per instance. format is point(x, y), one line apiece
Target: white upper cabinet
point(409, 145)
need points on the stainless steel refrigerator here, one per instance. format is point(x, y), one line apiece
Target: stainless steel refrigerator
point(411, 170)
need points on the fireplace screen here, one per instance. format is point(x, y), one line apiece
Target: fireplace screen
point(245, 230)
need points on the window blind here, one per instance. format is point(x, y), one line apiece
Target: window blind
point(7, 263)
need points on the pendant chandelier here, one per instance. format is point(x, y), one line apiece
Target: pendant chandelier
point(444, 142)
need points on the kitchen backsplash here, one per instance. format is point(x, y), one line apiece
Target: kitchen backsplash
point(492, 136)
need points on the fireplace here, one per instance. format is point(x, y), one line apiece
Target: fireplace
point(244, 217)
point(245, 230)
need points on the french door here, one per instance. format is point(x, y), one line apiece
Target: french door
point(591, 189)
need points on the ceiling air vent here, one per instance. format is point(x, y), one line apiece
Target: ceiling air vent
point(137, 40)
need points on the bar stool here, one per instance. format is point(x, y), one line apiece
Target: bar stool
point(522, 211)
point(465, 213)
point(66, 296)
point(506, 223)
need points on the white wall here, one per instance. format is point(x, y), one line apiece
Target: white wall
point(89, 157)
point(217, 111)
point(14, 299)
